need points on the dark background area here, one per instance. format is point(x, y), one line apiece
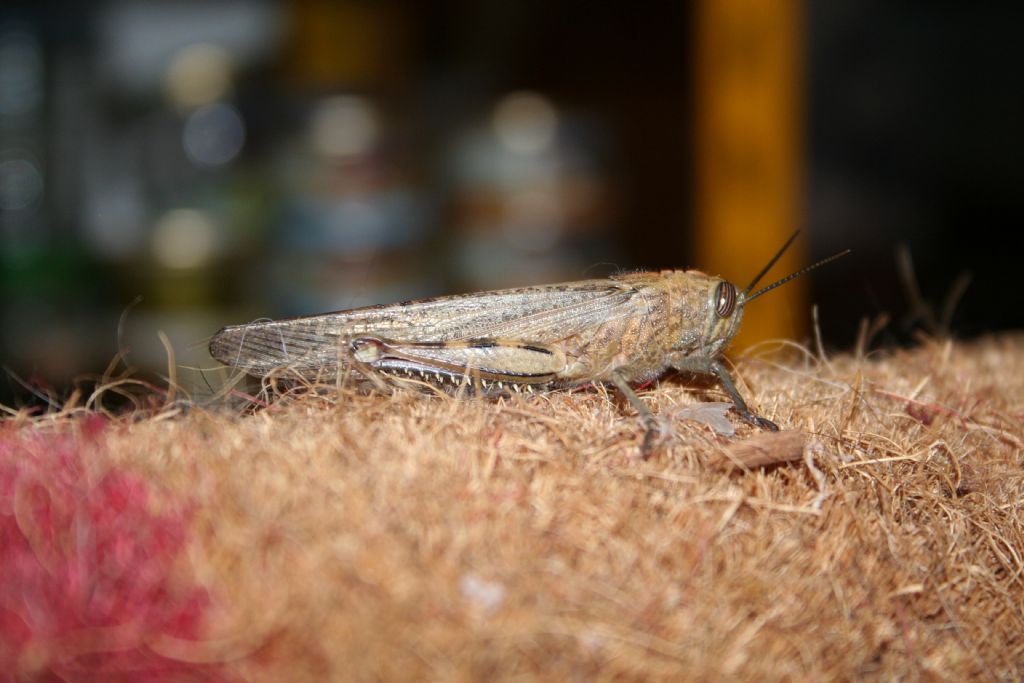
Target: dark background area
point(914, 136)
point(179, 166)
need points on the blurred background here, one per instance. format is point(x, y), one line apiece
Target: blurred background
point(176, 165)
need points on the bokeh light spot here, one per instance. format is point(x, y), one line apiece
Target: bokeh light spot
point(525, 122)
point(184, 238)
point(199, 74)
point(21, 183)
point(343, 126)
point(213, 135)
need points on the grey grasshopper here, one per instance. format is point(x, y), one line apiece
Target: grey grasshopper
point(624, 330)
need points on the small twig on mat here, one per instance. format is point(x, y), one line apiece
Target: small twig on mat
point(763, 450)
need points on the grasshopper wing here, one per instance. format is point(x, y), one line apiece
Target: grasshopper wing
point(314, 344)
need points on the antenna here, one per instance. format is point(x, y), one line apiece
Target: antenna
point(833, 257)
point(771, 263)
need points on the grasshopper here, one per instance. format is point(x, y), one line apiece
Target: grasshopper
point(624, 330)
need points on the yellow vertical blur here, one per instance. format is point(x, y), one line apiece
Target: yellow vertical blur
point(350, 44)
point(749, 82)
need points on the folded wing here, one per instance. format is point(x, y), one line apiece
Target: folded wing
point(315, 344)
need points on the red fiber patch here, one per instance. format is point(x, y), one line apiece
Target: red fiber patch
point(87, 567)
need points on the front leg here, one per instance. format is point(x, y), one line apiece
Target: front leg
point(713, 366)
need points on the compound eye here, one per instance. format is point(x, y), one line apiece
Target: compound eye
point(725, 299)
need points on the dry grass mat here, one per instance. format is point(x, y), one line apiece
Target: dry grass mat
point(414, 537)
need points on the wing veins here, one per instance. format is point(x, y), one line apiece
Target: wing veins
point(270, 343)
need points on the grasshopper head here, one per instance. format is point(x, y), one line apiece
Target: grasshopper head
point(725, 310)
